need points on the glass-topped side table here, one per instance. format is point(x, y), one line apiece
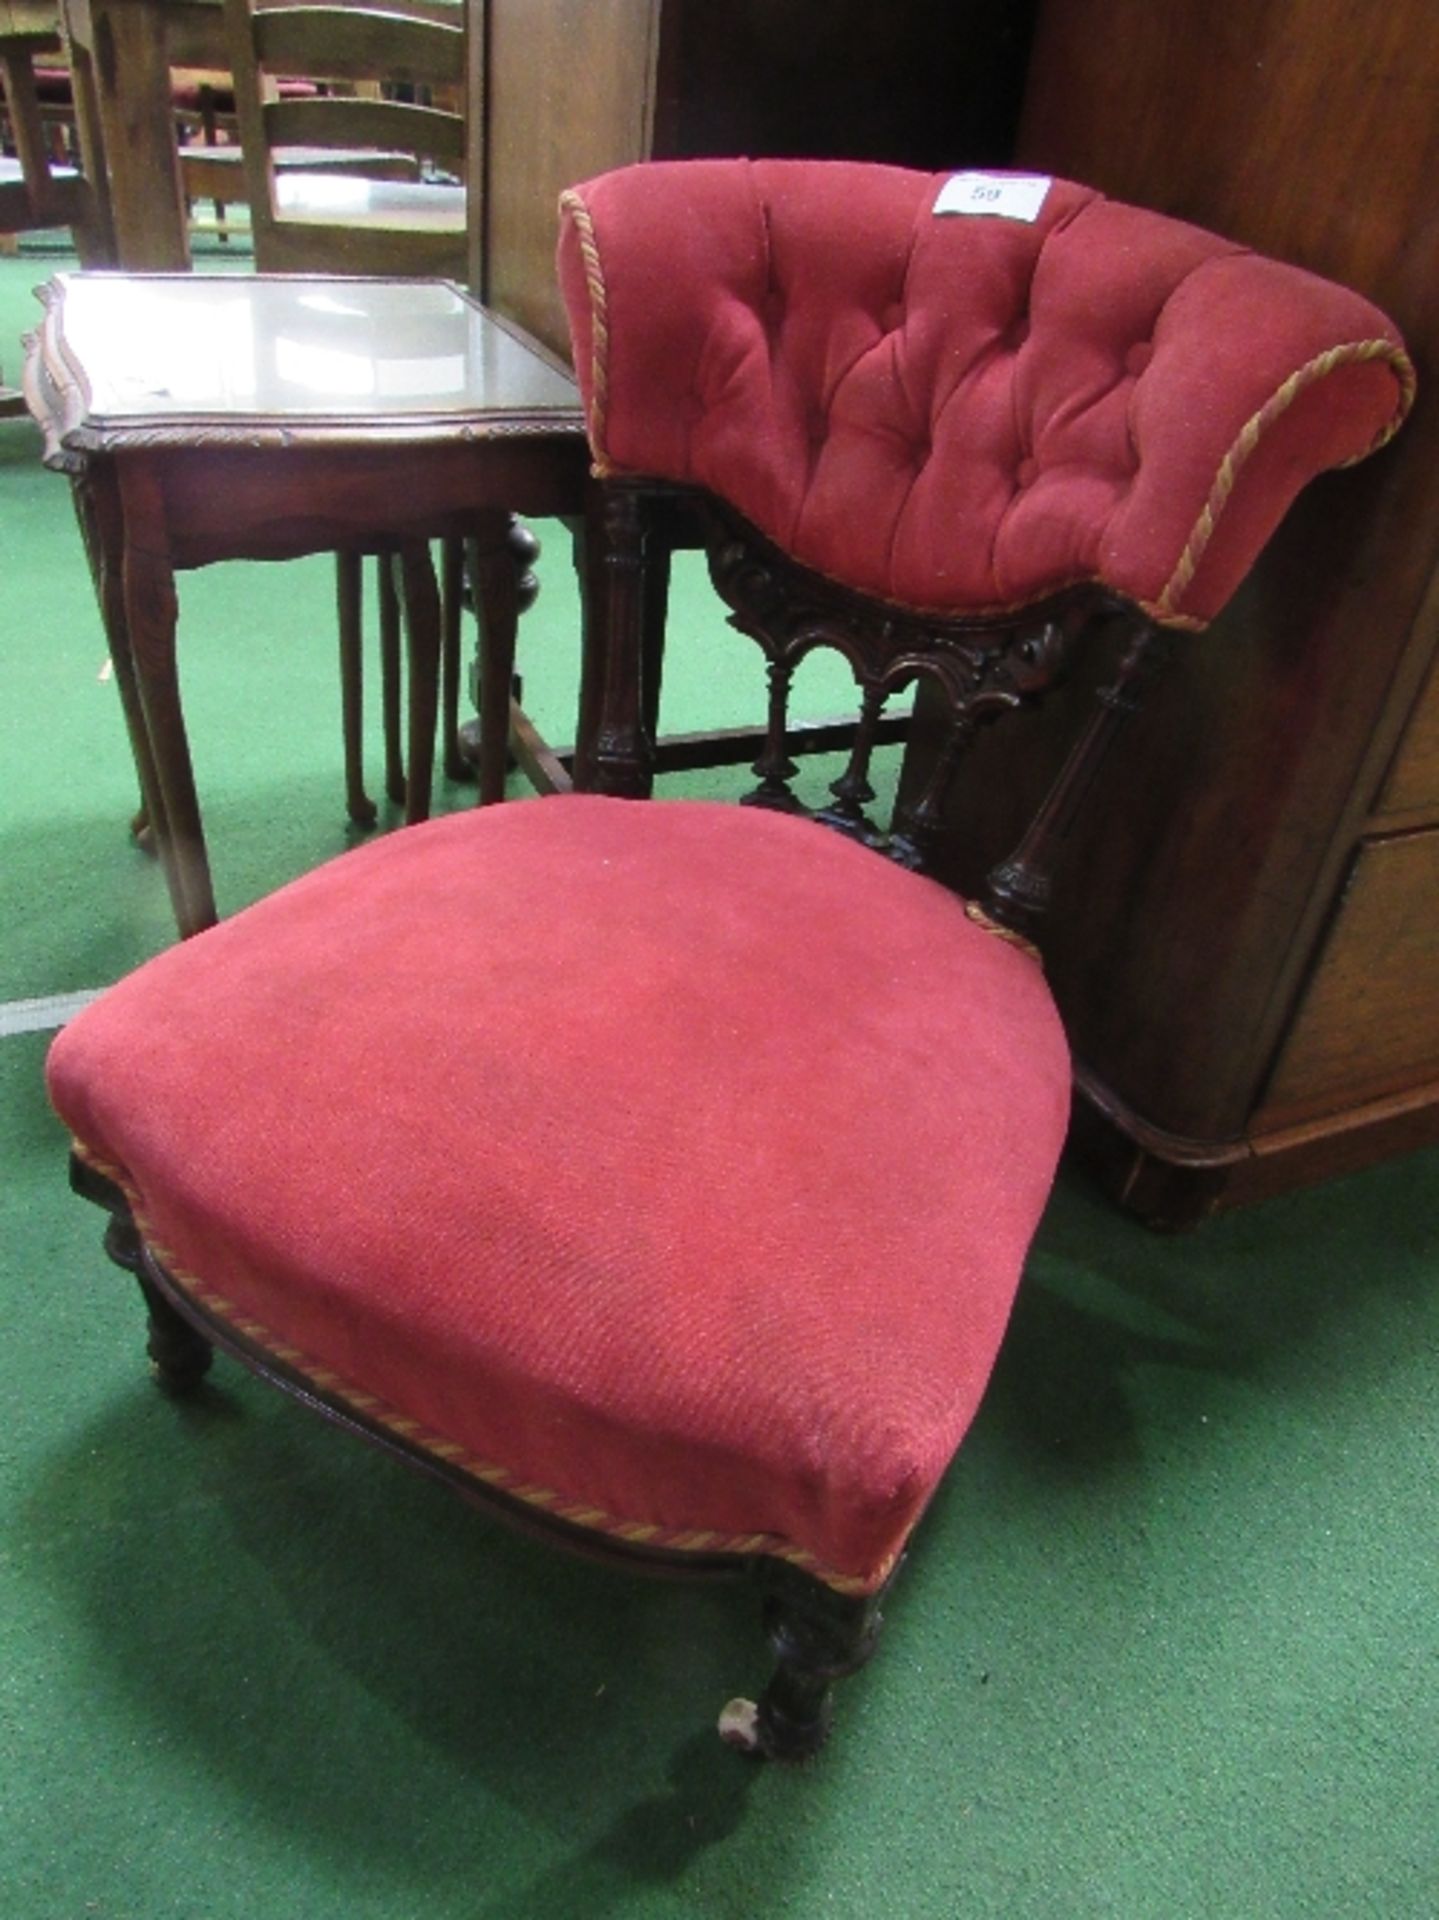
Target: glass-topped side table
point(264, 417)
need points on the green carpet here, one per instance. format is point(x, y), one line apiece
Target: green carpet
point(1165, 1648)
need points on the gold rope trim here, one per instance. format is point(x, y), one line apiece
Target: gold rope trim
point(579, 213)
point(1352, 353)
point(578, 1513)
point(973, 911)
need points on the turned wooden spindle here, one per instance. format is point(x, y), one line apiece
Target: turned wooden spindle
point(774, 768)
point(1017, 891)
point(852, 791)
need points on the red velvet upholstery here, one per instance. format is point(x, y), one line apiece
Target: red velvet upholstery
point(607, 1144)
point(962, 414)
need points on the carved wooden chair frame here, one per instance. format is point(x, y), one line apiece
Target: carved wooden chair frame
point(985, 665)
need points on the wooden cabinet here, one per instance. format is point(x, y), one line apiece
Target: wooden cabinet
point(573, 87)
point(1249, 966)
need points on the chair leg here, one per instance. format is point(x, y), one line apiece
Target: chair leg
point(179, 1356)
point(95, 235)
point(817, 1637)
point(210, 135)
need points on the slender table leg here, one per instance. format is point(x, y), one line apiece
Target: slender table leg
point(148, 584)
point(422, 633)
point(132, 86)
point(390, 676)
point(97, 510)
point(452, 593)
point(358, 804)
point(492, 569)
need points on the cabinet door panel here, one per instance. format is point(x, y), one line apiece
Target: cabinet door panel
point(1369, 1023)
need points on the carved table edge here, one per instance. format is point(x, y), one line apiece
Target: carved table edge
point(271, 434)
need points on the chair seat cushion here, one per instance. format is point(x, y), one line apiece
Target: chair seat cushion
point(669, 1165)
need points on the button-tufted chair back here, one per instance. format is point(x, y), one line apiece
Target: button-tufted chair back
point(963, 414)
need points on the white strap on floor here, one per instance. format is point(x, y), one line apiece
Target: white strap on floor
point(39, 1016)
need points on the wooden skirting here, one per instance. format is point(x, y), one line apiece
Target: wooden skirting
point(1171, 1183)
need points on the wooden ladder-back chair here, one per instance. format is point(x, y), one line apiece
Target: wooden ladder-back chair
point(781, 1114)
point(341, 178)
point(39, 189)
point(309, 223)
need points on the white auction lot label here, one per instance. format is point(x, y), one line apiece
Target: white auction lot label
point(1004, 196)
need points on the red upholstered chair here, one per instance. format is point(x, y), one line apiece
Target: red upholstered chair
point(661, 1174)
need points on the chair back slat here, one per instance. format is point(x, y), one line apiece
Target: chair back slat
point(352, 43)
point(393, 126)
